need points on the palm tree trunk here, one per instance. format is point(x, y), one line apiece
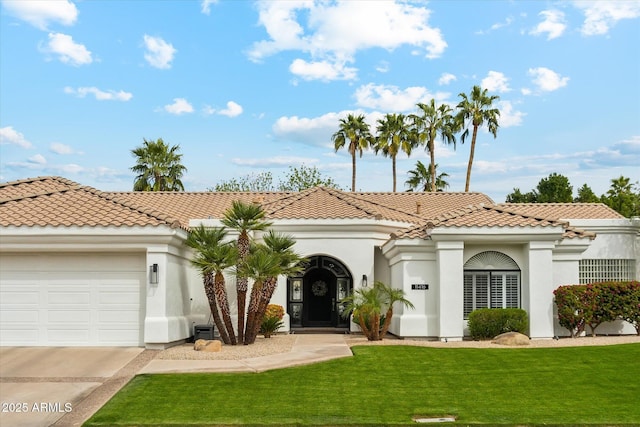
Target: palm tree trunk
point(363, 325)
point(223, 303)
point(387, 322)
point(473, 147)
point(211, 296)
point(252, 312)
point(353, 171)
point(242, 283)
point(432, 157)
point(268, 288)
point(375, 327)
point(393, 171)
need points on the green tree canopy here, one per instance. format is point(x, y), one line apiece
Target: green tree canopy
point(296, 179)
point(518, 197)
point(393, 137)
point(262, 181)
point(355, 134)
point(158, 167)
point(623, 197)
point(420, 178)
point(554, 189)
point(586, 195)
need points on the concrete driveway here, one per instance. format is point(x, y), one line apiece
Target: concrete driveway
point(42, 386)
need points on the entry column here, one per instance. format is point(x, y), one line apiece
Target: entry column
point(450, 267)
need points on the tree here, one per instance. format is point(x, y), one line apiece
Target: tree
point(420, 179)
point(518, 197)
point(372, 308)
point(554, 189)
point(586, 195)
point(212, 257)
point(265, 263)
point(262, 181)
point(158, 167)
point(392, 138)
point(433, 121)
point(303, 177)
point(354, 133)
point(474, 111)
point(244, 218)
point(623, 197)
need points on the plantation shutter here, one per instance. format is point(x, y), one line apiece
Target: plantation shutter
point(496, 290)
point(481, 296)
point(513, 290)
point(468, 294)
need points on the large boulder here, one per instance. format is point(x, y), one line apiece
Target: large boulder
point(209, 346)
point(511, 338)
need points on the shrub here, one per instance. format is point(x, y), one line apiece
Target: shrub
point(569, 300)
point(272, 320)
point(486, 323)
point(274, 310)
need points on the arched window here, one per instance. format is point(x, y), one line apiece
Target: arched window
point(491, 280)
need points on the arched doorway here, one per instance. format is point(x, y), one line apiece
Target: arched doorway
point(315, 296)
point(491, 280)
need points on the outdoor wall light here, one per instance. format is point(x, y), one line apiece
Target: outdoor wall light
point(153, 274)
point(364, 280)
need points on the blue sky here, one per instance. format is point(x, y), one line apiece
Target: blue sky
point(245, 87)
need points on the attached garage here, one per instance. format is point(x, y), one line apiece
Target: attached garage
point(72, 299)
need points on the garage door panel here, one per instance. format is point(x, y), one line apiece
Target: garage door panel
point(72, 299)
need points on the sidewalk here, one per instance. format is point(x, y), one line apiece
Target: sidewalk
point(307, 349)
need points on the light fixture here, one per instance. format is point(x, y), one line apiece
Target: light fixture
point(153, 274)
point(364, 281)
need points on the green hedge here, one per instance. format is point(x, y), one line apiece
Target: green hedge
point(591, 305)
point(486, 323)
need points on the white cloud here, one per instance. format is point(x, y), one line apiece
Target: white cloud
point(38, 159)
point(383, 67)
point(67, 50)
point(495, 82)
point(314, 131)
point(446, 78)
point(40, 13)
point(206, 6)
point(179, 106)
point(497, 26)
point(233, 109)
point(59, 148)
point(508, 116)
point(335, 31)
point(322, 70)
point(553, 24)
point(601, 16)
point(8, 135)
point(547, 80)
point(159, 53)
point(100, 95)
point(277, 161)
point(392, 98)
point(526, 91)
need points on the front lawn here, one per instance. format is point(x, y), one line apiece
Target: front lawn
point(389, 385)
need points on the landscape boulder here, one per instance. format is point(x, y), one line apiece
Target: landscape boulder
point(213, 346)
point(511, 338)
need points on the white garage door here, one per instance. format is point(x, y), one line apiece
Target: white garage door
point(72, 299)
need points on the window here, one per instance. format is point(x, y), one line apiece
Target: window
point(491, 280)
point(602, 270)
point(491, 289)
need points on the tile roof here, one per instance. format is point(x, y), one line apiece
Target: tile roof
point(55, 201)
point(58, 202)
point(564, 210)
point(488, 216)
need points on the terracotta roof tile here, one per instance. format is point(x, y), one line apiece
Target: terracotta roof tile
point(51, 201)
point(564, 210)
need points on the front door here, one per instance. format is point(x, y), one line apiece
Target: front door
point(315, 297)
point(320, 296)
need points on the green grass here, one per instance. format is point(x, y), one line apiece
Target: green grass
point(388, 385)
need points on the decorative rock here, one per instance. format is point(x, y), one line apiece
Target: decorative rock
point(209, 346)
point(511, 338)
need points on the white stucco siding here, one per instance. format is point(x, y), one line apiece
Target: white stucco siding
point(72, 298)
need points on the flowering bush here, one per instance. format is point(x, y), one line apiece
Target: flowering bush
point(272, 320)
point(274, 310)
point(596, 303)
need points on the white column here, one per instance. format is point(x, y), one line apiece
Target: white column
point(538, 301)
point(450, 267)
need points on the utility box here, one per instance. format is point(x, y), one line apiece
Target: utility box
point(203, 332)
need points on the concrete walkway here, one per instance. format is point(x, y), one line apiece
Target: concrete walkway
point(306, 349)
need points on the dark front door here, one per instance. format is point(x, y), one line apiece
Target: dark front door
point(320, 297)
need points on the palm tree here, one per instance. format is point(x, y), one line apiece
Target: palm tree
point(421, 178)
point(158, 167)
point(433, 121)
point(393, 136)
point(243, 217)
point(475, 111)
point(212, 257)
point(356, 131)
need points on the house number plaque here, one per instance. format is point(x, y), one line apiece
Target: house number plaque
point(420, 287)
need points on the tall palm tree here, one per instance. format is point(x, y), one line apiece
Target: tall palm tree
point(212, 257)
point(158, 167)
point(421, 178)
point(474, 111)
point(393, 136)
point(432, 121)
point(243, 217)
point(354, 133)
